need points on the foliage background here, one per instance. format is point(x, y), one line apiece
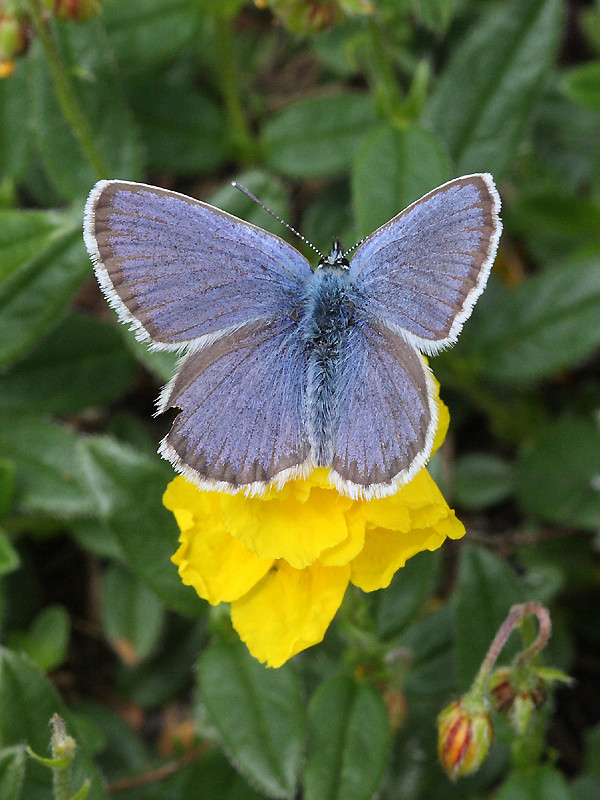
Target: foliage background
point(337, 121)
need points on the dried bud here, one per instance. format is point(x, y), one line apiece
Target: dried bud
point(518, 693)
point(79, 10)
point(14, 41)
point(465, 735)
point(62, 744)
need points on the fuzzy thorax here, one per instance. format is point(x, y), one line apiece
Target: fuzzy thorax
point(329, 313)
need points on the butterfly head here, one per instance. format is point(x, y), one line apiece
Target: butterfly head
point(335, 258)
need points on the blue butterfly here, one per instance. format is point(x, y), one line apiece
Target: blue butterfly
point(286, 368)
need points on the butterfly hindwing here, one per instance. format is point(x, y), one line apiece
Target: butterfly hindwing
point(241, 398)
point(388, 414)
point(422, 272)
point(179, 270)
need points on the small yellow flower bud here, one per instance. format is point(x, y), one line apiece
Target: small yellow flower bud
point(465, 734)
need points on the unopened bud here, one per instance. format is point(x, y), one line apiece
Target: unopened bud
point(79, 10)
point(14, 41)
point(465, 735)
point(518, 693)
point(61, 743)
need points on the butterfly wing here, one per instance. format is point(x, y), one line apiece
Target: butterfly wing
point(388, 413)
point(422, 272)
point(241, 425)
point(181, 271)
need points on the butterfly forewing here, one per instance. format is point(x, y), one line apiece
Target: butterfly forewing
point(388, 414)
point(241, 423)
point(179, 269)
point(422, 272)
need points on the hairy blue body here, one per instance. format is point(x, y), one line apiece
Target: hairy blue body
point(328, 314)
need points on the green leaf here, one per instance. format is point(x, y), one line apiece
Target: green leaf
point(408, 592)
point(592, 750)
point(486, 589)
point(258, 713)
point(26, 234)
point(482, 480)
point(163, 677)
point(582, 84)
point(558, 476)
point(15, 123)
point(47, 640)
point(160, 363)
point(8, 472)
point(219, 781)
point(61, 375)
point(431, 678)
point(127, 489)
point(541, 782)
point(32, 701)
point(44, 262)
point(9, 558)
point(548, 323)
point(93, 536)
point(566, 139)
point(97, 85)
point(147, 33)
point(489, 88)
point(183, 130)
point(12, 771)
point(554, 223)
point(132, 616)
point(348, 741)
point(45, 454)
point(318, 136)
point(393, 168)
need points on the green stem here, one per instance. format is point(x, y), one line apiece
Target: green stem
point(65, 93)
point(516, 614)
point(242, 140)
point(383, 73)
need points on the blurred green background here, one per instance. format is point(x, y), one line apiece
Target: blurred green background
point(337, 115)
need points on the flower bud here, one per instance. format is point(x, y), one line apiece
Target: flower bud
point(79, 10)
point(518, 693)
point(14, 41)
point(465, 734)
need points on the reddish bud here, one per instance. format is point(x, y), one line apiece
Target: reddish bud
point(14, 41)
point(465, 735)
point(518, 693)
point(79, 10)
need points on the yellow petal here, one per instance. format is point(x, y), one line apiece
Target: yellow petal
point(218, 566)
point(344, 552)
point(283, 526)
point(396, 511)
point(388, 546)
point(385, 551)
point(289, 610)
point(442, 428)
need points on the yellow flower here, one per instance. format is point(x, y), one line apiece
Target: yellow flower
point(284, 560)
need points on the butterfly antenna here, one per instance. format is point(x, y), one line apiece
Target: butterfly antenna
point(354, 246)
point(249, 194)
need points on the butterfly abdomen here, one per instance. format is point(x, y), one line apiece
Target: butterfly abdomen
point(329, 313)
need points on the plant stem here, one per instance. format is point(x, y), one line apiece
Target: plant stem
point(65, 93)
point(242, 140)
point(516, 614)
